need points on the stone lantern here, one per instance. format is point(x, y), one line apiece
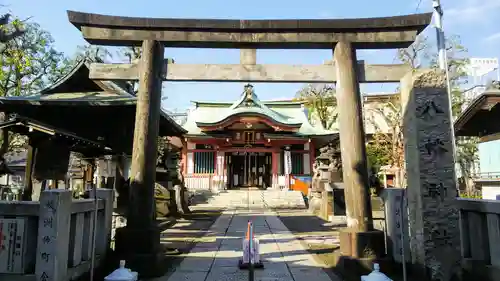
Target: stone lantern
point(320, 179)
point(327, 175)
point(324, 168)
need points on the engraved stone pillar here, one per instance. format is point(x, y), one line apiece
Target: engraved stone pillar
point(53, 235)
point(433, 216)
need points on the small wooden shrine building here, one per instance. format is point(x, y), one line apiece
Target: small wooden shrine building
point(77, 114)
point(250, 143)
point(479, 120)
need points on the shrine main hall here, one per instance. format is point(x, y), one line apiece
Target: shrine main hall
point(250, 143)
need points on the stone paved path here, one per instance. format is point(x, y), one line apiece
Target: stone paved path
point(216, 257)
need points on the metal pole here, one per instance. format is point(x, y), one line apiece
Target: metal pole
point(438, 16)
point(251, 254)
point(94, 234)
point(403, 227)
point(443, 65)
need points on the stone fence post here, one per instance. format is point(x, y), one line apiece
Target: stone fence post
point(105, 219)
point(433, 214)
point(54, 226)
point(396, 223)
point(53, 235)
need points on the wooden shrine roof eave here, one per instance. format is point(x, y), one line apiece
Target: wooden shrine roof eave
point(387, 32)
point(177, 129)
point(101, 101)
point(272, 136)
point(295, 136)
point(92, 85)
point(464, 125)
point(205, 136)
point(406, 22)
point(63, 79)
point(50, 130)
point(231, 119)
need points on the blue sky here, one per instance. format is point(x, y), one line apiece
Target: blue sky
point(473, 20)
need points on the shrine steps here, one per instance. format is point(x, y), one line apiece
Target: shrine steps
point(255, 199)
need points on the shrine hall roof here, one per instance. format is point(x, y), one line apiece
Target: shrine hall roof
point(76, 103)
point(479, 118)
point(285, 113)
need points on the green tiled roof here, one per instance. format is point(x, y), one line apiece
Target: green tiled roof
point(289, 113)
point(248, 104)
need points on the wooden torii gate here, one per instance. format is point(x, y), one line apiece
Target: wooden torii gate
point(343, 37)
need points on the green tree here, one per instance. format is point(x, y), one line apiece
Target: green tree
point(321, 103)
point(9, 29)
point(132, 55)
point(93, 52)
point(386, 146)
point(422, 54)
point(28, 63)
point(466, 150)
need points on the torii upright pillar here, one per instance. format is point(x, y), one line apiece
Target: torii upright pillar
point(360, 245)
point(139, 241)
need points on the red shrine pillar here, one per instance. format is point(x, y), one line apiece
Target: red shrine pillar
point(312, 157)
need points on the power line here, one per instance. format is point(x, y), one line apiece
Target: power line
point(418, 5)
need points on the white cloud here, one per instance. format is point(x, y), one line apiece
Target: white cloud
point(472, 11)
point(493, 37)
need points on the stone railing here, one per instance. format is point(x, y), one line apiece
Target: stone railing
point(281, 182)
point(214, 182)
point(205, 182)
point(63, 229)
point(487, 175)
point(480, 237)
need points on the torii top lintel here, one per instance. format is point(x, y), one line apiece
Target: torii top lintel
point(368, 33)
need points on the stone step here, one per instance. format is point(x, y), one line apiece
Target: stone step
point(255, 199)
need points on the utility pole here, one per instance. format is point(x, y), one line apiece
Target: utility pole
point(443, 65)
point(438, 21)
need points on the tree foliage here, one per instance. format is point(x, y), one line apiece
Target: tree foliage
point(93, 52)
point(321, 103)
point(9, 29)
point(132, 55)
point(422, 54)
point(386, 147)
point(28, 63)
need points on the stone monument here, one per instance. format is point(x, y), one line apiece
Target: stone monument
point(433, 215)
